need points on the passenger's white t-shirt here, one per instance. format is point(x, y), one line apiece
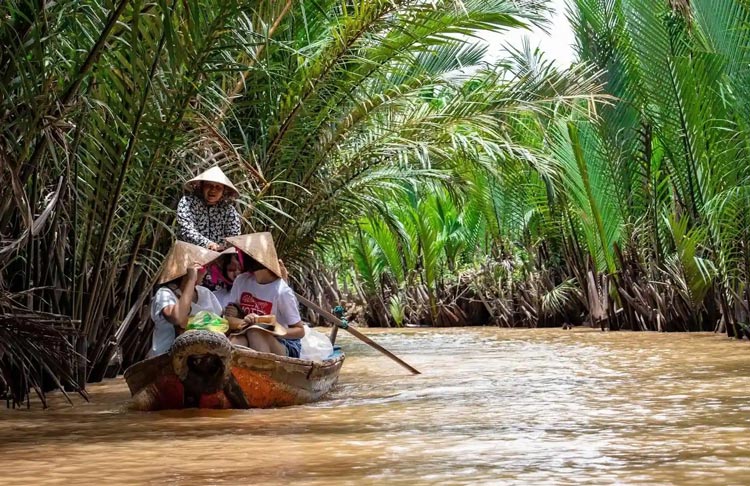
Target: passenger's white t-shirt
point(275, 298)
point(222, 295)
point(164, 332)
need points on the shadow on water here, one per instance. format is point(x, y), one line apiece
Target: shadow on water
point(492, 406)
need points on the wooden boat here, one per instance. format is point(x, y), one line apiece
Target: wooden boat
point(204, 370)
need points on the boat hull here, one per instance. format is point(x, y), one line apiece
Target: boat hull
point(252, 380)
point(277, 381)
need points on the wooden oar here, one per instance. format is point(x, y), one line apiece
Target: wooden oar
point(343, 325)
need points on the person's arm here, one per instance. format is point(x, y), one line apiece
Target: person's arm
point(235, 323)
point(284, 272)
point(186, 225)
point(178, 313)
point(233, 315)
point(233, 312)
point(295, 331)
point(288, 313)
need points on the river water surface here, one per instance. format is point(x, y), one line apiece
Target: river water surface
point(492, 407)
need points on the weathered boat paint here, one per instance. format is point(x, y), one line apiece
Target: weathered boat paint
point(257, 380)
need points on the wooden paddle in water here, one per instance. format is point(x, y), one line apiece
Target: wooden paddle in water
point(337, 322)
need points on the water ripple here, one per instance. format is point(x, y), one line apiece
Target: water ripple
point(492, 407)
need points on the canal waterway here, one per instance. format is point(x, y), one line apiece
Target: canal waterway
point(492, 407)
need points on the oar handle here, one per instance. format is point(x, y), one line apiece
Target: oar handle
point(344, 325)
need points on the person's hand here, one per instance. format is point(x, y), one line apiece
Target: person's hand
point(214, 246)
point(231, 311)
point(195, 272)
point(251, 318)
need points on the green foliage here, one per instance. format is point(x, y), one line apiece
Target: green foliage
point(371, 134)
point(102, 110)
point(396, 308)
point(658, 165)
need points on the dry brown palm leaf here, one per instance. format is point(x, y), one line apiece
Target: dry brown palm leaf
point(36, 352)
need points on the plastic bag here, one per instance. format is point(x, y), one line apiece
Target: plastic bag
point(208, 321)
point(315, 345)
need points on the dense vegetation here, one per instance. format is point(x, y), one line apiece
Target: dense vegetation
point(397, 170)
point(633, 214)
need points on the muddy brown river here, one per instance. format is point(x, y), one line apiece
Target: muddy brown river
point(493, 407)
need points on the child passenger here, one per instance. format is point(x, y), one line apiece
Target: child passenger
point(261, 291)
point(178, 295)
point(226, 269)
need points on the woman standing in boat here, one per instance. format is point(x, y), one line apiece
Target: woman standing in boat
point(206, 215)
point(179, 294)
point(261, 291)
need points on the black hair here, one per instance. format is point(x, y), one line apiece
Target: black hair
point(173, 285)
point(249, 264)
point(224, 263)
point(254, 265)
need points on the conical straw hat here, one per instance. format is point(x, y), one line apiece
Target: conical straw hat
point(214, 174)
point(181, 256)
point(229, 251)
point(260, 247)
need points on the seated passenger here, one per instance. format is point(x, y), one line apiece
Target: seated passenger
point(225, 270)
point(261, 291)
point(206, 216)
point(178, 295)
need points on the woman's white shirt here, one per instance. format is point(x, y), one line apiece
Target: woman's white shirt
point(222, 295)
point(164, 331)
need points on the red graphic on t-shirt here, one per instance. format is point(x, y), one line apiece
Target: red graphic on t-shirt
point(250, 303)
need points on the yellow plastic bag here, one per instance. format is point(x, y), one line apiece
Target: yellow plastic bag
point(207, 321)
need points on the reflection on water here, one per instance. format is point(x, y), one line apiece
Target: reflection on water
point(515, 407)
